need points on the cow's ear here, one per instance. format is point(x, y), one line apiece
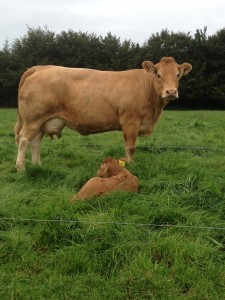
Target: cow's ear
point(149, 67)
point(185, 68)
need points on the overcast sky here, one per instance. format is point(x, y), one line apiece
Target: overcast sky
point(127, 19)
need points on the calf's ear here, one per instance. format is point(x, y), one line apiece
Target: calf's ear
point(103, 169)
point(149, 67)
point(185, 68)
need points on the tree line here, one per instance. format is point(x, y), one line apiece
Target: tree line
point(203, 88)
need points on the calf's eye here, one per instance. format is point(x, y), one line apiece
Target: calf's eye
point(158, 75)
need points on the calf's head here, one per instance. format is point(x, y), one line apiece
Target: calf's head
point(109, 167)
point(167, 74)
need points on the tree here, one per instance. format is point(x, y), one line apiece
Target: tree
point(109, 55)
point(78, 49)
point(129, 55)
point(36, 47)
point(8, 77)
point(167, 43)
point(216, 69)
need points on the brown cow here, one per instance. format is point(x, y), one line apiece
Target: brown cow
point(111, 177)
point(92, 101)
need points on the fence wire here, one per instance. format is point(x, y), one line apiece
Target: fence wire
point(12, 219)
point(141, 147)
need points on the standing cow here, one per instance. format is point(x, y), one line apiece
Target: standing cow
point(92, 101)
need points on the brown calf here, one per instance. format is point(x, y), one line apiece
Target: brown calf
point(112, 177)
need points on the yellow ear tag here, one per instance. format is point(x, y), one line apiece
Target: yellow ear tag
point(122, 163)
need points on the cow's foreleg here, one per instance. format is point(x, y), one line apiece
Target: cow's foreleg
point(130, 133)
point(35, 148)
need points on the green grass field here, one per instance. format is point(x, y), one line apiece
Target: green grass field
point(179, 255)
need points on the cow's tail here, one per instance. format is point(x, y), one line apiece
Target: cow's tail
point(19, 124)
point(18, 128)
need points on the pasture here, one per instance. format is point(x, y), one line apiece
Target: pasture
point(166, 242)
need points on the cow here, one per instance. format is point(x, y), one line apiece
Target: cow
point(111, 177)
point(91, 101)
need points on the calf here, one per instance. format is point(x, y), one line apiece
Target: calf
point(111, 177)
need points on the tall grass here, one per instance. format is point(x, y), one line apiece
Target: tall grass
point(103, 251)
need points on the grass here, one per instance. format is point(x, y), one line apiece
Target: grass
point(97, 256)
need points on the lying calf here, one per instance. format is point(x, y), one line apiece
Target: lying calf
point(112, 177)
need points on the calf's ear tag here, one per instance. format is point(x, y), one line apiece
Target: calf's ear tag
point(122, 163)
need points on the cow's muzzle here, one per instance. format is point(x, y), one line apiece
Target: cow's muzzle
point(170, 94)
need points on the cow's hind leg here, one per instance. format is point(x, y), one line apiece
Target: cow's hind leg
point(22, 150)
point(35, 148)
point(26, 135)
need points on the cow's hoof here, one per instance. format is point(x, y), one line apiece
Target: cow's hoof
point(20, 168)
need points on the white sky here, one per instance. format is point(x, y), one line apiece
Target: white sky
point(127, 19)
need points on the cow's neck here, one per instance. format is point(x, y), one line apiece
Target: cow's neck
point(156, 103)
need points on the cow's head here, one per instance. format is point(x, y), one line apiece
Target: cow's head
point(167, 74)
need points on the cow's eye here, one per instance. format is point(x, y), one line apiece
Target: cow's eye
point(178, 75)
point(158, 75)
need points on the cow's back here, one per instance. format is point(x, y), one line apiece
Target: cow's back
point(88, 100)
